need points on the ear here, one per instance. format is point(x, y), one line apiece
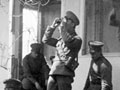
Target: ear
point(73, 24)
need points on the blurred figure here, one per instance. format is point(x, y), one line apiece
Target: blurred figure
point(114, 16)
point(35, 69)
point(67, 48)
point(100, 72)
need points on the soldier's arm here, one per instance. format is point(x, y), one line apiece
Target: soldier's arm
point(45, 68)
point(47, 38)
point(106, 76)
point(70, 40)
point(26, 71)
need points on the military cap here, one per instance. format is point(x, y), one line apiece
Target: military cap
point(36, 47)
point(73, 17)
point(95, 45)
point(12, 83)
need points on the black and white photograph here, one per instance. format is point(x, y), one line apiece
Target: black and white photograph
point(59, 44)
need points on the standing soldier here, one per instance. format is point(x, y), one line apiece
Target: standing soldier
point(67, 48)
point(100, 72)
point(35, 69)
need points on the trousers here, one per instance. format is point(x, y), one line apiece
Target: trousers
point(28, 85)
point(94, 87)
point(59, 82)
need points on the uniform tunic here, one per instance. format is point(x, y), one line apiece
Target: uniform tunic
point(35, 69)
point(100, 75)
point(66, 46)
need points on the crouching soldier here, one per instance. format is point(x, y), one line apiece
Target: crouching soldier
point(100, 72)
point(35, 69)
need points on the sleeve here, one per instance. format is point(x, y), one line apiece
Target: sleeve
point(26, 70)
point(45, 68)
point(106, 76)
point(47, 38)
point(70, 40)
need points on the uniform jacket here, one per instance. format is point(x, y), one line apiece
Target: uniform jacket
point(67, 45)
point(100, 75)
point(34, 68)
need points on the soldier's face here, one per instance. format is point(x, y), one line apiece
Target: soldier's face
point(67, 24)
point(94, 54)
point(34, 54)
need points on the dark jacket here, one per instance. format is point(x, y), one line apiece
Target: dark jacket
point(66, 46)
point(100, 75)
point(35, 68)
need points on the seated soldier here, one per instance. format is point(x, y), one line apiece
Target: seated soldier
point(35, 69)
point(100, 72)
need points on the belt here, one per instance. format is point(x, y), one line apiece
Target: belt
point(96, 82)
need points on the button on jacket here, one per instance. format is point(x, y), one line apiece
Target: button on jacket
point(67, 46)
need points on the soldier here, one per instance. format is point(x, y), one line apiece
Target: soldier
point(35, 69)
point(100, 72)
point(67, 48)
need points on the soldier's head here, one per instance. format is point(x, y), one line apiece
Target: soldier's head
point(69, 21)
point(95, 48)
point(35, 51)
